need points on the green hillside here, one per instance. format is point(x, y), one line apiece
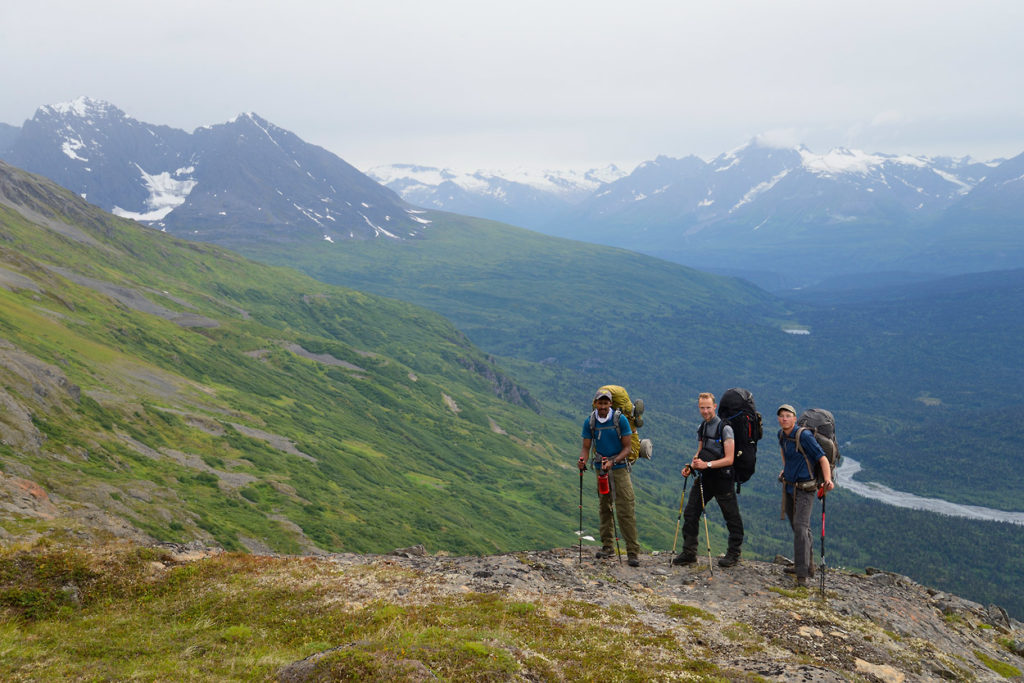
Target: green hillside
point(166, 390)
point(198, 395)
point(540, 302)
point(911, 379)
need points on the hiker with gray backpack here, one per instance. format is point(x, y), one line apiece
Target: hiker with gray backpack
point(806, 474)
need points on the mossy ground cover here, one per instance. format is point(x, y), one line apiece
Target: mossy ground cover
point(124, 613)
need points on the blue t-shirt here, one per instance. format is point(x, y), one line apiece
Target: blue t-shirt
point(795, 468)
point(606, 441)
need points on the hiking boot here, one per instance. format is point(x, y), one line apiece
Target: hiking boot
point(638, 407)
point(634, 561)
point(604, 553)
point(684, 558)
point(791, 569)
point(801, 581)
point(729, 560)
point(646, 448)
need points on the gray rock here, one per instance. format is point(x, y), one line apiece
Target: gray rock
point(417, 550)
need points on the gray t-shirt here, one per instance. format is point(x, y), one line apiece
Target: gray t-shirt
point(713, 447)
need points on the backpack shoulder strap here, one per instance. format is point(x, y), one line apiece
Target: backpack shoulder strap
point(615, 420)
point(800, 449)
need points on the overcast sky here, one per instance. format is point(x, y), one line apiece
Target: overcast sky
point(539, 83)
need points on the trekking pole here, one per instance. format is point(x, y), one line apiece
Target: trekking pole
point(678, 519)
point(821, 494)
point(615, 527)
point(579, 531)
point(704, 514)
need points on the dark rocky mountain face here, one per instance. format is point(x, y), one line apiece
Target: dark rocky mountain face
point(98, 152)
point(243, 180)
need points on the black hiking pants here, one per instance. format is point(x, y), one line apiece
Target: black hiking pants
point(723, 490)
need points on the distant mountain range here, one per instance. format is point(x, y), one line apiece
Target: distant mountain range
point(521, 197)
point(760, 210)
point(781, 217)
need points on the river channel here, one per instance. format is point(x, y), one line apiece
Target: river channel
point(845, 479)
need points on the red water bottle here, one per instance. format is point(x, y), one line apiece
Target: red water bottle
point(602, 483)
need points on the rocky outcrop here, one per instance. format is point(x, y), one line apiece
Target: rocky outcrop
point(751, 619)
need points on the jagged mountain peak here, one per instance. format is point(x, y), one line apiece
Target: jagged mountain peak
point(82, 107)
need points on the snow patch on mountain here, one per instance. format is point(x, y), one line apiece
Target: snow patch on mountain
point(166, 193)
point(758, 189)
point(840, 160)
point(70, 147)
point(949, 177)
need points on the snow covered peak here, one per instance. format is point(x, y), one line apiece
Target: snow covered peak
point(82, 107)
point(842, 160)
point(424, 175)
point(249, 116)
point(561, 182)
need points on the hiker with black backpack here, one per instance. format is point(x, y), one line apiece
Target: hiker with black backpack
point(805, 470)
point(713, 465)
point(608, 432)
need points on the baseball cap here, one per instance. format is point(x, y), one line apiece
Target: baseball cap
point(603, 393)
point(786, 406)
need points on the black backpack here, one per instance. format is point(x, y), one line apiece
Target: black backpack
point(737, 409)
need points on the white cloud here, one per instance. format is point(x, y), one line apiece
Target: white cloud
point(780, 138)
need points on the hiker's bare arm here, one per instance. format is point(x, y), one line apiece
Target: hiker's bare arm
point(585, 451)
point(730, 453)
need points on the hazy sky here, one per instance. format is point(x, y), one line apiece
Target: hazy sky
point(539, 83)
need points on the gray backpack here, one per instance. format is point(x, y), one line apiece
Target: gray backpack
point(822, 424)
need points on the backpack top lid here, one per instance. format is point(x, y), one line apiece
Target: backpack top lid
point(620, 398)
point(734, 401)
point(820, 421)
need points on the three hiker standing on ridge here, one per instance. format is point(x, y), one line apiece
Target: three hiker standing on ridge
point(611, 449)
point(798, 473)
point(712, 464)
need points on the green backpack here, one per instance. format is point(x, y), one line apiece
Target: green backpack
point(621, 405)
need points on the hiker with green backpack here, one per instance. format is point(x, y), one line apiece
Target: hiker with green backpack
point(713, 464)
point(806, 474)
point(609, 434)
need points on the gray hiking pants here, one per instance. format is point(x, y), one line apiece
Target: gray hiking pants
point(798, 510)
point(622, 487)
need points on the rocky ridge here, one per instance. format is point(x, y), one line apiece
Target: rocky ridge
point(750, 621)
